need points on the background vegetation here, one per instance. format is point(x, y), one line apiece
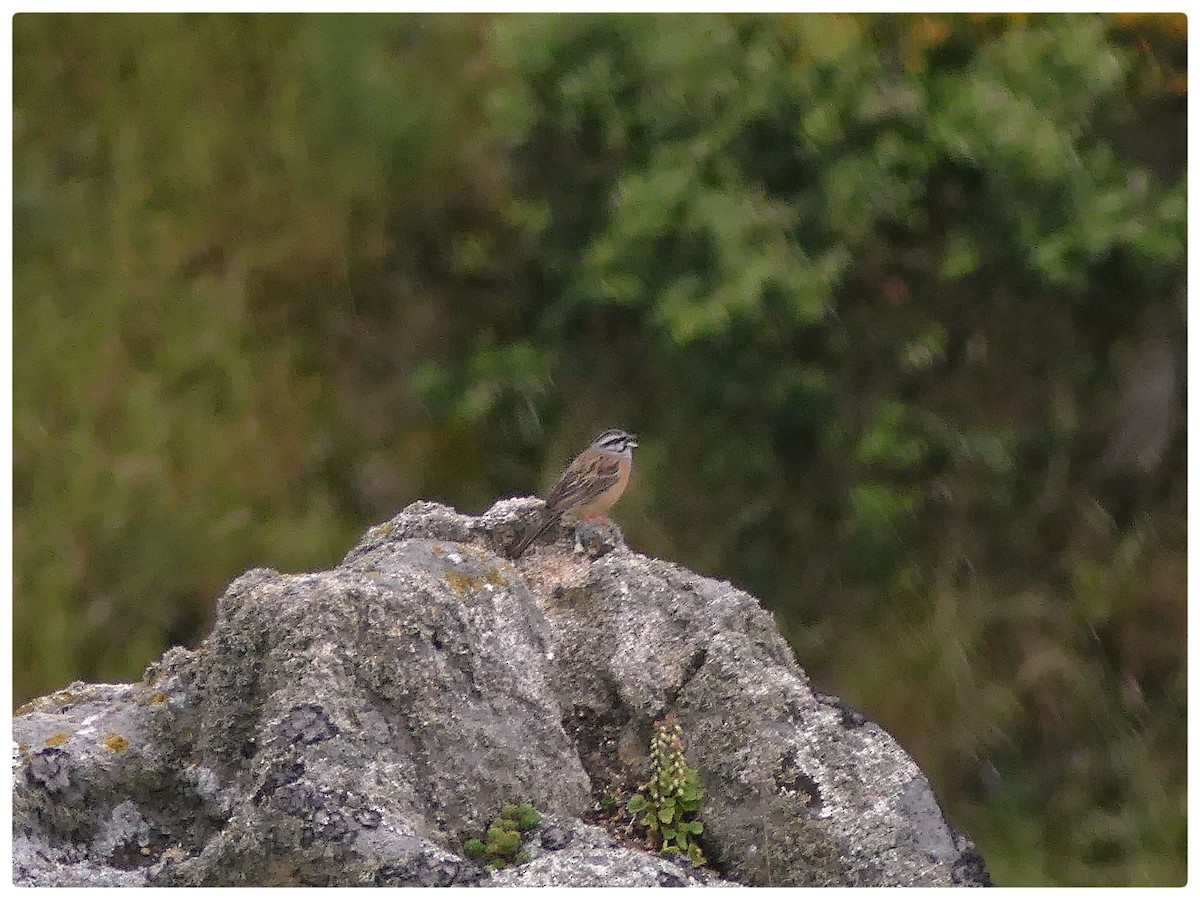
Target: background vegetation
point(895, 304)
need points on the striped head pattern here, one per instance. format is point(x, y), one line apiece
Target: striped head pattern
point(616, 442)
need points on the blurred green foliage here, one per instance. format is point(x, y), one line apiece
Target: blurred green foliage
point(894, 304)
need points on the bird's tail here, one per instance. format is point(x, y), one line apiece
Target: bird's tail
point(535, 531)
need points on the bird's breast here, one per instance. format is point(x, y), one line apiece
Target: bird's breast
point(601, 503)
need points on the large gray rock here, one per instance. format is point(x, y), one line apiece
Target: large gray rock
point(357, 726)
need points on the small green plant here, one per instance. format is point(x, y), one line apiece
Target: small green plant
point(502, 844)
point(667, 804)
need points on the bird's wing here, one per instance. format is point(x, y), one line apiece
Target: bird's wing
point(587, 477)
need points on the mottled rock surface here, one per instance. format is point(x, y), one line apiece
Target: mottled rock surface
point(357, 726)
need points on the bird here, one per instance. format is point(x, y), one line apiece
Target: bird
point(588, 487)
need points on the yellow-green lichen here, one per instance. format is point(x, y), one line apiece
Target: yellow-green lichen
point(114, 743)
point(57, 738)
point(384, 530)
point(463, 584)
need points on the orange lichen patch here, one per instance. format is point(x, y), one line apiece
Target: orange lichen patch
point(57, 738)
point(114, 743)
